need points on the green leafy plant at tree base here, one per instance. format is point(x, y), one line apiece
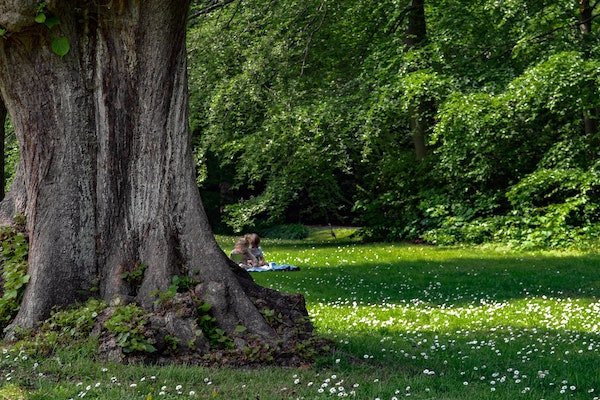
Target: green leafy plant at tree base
point(179, 284)
point(14, 271)
point(64, 328)
point(208, 324)
point(135, 276)
point(128, 324)
point(76, 322)
point(172, 342)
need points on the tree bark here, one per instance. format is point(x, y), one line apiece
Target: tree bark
point(590, 117)
point(420, 118)
point(107, 165)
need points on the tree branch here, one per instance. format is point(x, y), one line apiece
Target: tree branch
point(310, 37)
point(400, 18)
point(214, 5)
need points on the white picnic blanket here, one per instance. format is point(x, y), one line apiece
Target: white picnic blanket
point(273, 267)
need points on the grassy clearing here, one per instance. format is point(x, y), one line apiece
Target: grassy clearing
point(409, 322)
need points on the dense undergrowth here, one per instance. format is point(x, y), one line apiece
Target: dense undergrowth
point(305, 111)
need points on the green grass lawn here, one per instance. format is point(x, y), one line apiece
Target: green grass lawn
point(408, 321)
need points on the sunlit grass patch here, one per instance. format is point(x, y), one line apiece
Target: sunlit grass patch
point(333, 234)
point(12, 392)
point(408, 321)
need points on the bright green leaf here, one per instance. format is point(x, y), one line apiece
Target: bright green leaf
point(40, 18)
point(61, 46)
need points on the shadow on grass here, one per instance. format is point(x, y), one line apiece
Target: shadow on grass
point(449, 281)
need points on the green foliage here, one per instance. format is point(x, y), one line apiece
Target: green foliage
point(128, 324)
point(11, 154)
point(60, 46)
point(179, 284)
point(305, 113)
point(286, 231)
point(268, 113)
point(270, 316)
point(135, 276)
point(76, 322)
point(14, 271)
point(522, 153)
point(260, 353)
point(208, 324)
point(65, 328)
point(172, 342)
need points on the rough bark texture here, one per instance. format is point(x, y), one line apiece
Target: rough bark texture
point(420, 118)
point(107, 175)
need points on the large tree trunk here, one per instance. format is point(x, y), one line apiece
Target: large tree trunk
point(107, 166)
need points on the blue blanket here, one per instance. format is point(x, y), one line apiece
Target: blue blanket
point(273, 267)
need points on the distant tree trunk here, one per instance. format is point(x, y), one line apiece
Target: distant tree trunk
point(107, 169)
point(590, 117)
point(420, 113)
point(2, 139)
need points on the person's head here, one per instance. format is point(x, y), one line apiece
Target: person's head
point(253, 239)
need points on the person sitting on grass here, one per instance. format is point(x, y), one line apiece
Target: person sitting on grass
point(254, 246)
point(241, 254)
